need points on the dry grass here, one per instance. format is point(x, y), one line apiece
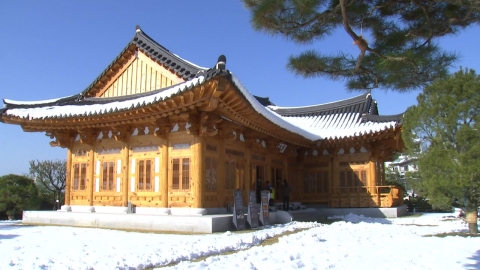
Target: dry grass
point(419, 225)
point(267, 242)
point(461, 234)
point(410, 215)
point(114, 229)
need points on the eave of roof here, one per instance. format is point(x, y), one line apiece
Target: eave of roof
point(71, 107)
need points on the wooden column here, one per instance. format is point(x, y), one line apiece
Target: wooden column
point(268, 168)
point(382, 170)
point(335, 184)
point(164, 174)
point(68, 177)
point(372, 172)
point(248, 172)
point(334, 179)
point(221, 173)
point(126, 169)
point(372, 179)
point(91, 175)
point(199, 169)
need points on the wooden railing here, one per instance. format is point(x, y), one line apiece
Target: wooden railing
point(366, 196)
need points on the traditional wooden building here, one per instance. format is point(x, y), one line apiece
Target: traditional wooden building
point(171, 137)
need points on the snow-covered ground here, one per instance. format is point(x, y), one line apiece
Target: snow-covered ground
point(355, 243)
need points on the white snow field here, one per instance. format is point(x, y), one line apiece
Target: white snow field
point(357, 242)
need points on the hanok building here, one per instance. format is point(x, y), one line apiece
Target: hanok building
point(171, 137)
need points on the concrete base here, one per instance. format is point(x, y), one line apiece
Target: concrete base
point(155, 222)
point(188, 220)
point(192, 224)
point(392, 212)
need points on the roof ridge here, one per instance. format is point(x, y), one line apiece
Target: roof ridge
point(382, 118)
point(319, 108)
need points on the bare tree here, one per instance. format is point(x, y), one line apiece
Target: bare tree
point(51, 174)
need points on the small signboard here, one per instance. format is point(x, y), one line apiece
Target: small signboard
point(264, 215)
point(238, 214)
point(253, 209)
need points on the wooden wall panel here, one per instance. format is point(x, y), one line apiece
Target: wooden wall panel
point(143, 75)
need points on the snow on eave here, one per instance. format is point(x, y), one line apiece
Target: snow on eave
point(271, 115)
point(98, 109)
point(338, 134)
point(17, 102)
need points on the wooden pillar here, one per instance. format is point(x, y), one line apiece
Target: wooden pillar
point(199, 169)
point(221, 174)
point(372, 180)
point(268, 169)
point(126, 169)
point(249, 174)
point(293, 182)
point(335, 179)
point(333, 173)
point(68, 177)
point(91, 175)
point(164, 173)
point(382, 171)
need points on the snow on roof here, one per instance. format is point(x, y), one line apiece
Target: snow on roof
point(312, 128)
point(338, 125)
point(77, 110)
point(273, 116)
point(39, 102)
point(186, 61)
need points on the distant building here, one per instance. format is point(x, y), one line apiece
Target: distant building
point(402, 165)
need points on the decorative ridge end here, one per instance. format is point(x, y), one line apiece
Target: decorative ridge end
point(221, 62)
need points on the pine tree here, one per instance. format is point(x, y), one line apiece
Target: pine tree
point(17, 193)
point(446, 120)
point(396, 40)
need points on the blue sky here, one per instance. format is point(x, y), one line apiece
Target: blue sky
point(57, 48)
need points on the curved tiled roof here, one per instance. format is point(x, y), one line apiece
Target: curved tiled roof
point(350, 117)
point(180, 66)
point(359, 104)
point(342, 119)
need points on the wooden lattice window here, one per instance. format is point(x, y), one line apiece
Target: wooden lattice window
point(311, 182)
point(108, 181)
point(230, 175)
point(79, 176)
point(326, 180)
point(180, 173)
point(320, 182)
point(343, 183)
point(211, 167)
point(364, 177)
point(145, 175)
point(305, 182)
point(350, 182)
